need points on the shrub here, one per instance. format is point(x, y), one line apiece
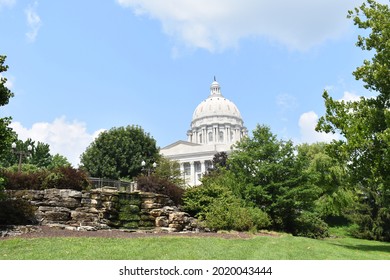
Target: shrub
point(2, 189)
point(233, 216)
point(308, 224)
point(161, 186)
point(198, 200)
point(16, 212)
point(61, 178)
point(23, 180)
point(222, 210)
point(66, 177)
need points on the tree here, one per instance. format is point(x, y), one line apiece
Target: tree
point(6, 133)
point(272, 178)
point(59, 161)
point(329, 175)
point(364, 124)
point(39, 155)
point(169, 170)
point(118, 153)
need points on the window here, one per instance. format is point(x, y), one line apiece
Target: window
point(198, 167)
point(210, 137)
point(200, 138)
point(187, 169)
point(221, 136)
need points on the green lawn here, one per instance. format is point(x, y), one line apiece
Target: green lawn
point(283, 247)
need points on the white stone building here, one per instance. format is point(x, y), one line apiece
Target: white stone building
point(216, 125)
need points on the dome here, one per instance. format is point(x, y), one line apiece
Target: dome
point(216, 120)
point(216, 105)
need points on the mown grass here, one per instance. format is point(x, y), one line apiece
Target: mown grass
point(283, 247)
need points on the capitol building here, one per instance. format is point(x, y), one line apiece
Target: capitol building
point(216, 125)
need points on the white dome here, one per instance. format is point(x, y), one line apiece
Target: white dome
point(216, 120)
point(216, 106)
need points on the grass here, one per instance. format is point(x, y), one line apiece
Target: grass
point(282, 247)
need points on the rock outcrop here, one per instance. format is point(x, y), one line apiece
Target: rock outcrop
point(105, 208)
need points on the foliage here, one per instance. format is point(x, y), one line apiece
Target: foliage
point(365, 124)
point(58, 161)
point(118, 153)
point(39, 155)
point(216, 203)
point(66, 178)
point(310, 225)
point(2, 188)
point(274, 181)
point(336, 197)
point(169, 170)
point(60, 178)
point(6, 133)
point(199, 200)
point(16, 212)
point(222, 215)
point(266, 177)
point(160, 185)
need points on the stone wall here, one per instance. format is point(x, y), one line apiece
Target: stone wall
point(106, 208)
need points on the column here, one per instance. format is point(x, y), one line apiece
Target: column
point(192, 175)
point(182, 171)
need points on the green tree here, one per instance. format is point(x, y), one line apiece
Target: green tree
point(273, 178)
point(39, 155)
point(329, 175)
point(59, 161)
point(364, 124)
point(118, 153)
point(169, 170)
point(6, 134)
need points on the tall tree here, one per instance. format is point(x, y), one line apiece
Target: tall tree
point(272, 178)
point(365, 124)
point(6, 134)
point(118, 153)
point(39, 155)
point(169, 170)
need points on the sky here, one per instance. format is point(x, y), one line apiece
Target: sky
point(81, 67)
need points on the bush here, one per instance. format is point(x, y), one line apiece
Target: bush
point(16, 212)
point(228, 216)
point(2, 189)
point(161, 186)
point(198, 200)
point(23, 180)
point(60, 178)
point(66, 177)
point(310, 225)
point(222, 210)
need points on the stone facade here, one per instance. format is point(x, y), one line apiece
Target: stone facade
point(106, 208)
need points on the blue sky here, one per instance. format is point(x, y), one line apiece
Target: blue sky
point(79, 67)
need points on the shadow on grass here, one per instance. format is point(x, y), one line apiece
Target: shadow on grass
point(367, 248)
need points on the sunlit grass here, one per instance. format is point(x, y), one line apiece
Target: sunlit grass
point(283, 247)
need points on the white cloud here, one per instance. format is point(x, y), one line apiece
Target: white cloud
point(220, 24)
point(350, 96)
point(7, 3)
point(33, 21)
point(69, 139)
point(307, 124)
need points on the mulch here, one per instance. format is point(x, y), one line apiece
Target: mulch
point(46, 231)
